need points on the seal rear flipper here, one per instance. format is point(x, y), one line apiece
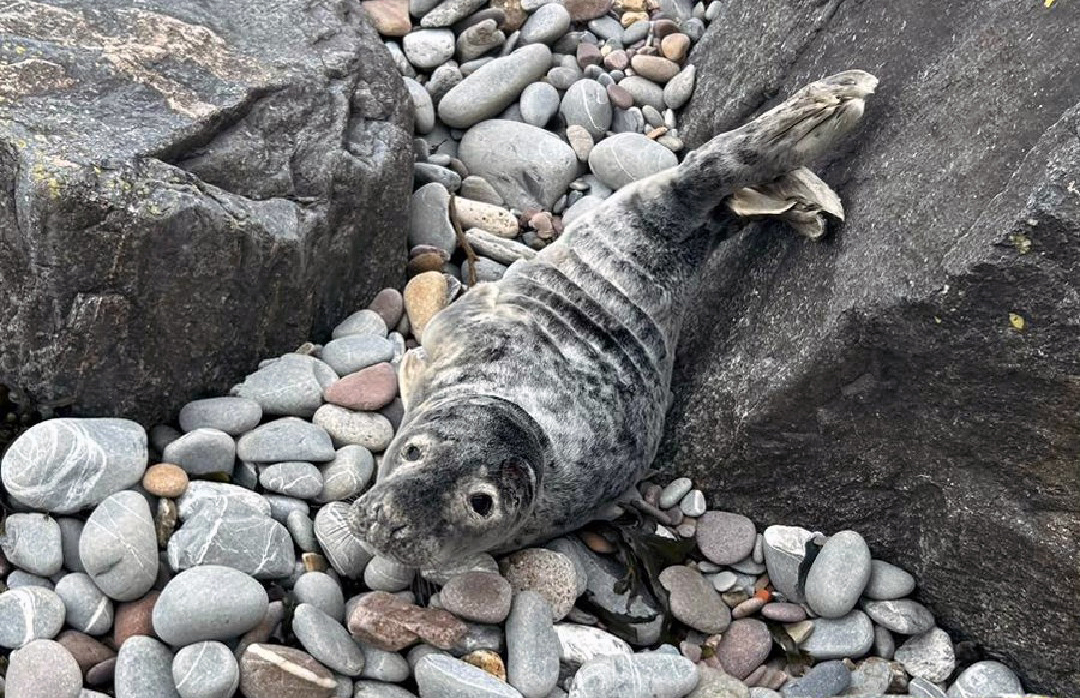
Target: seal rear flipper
point(799, 198)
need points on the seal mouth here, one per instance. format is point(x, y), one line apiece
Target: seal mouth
point(382, 532)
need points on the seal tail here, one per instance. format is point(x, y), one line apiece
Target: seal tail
point(776, 143)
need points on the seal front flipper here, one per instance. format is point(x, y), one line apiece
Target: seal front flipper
point(411, 376)
point(799, 198)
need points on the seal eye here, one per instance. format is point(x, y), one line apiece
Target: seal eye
point(412, 453)
point(482, 504)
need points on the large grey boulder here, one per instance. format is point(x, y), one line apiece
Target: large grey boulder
point(188, 187)
point(876, 381)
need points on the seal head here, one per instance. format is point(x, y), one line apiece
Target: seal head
point(459, 478)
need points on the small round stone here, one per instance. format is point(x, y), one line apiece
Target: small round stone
point(928, 655)
point(539, 102)
point(902, 616)
point(985, 680)
point(888, 582)
point(655, 68)
point(725, 538)
point(429, 48)
point(675, 46)
point(481, 597)
point(675, 491)
point(839, 575)
point(550, 573)
point(205, 670)
point(165, 480)
point(389, 305)
point(144, 669)
point(365, 321)
point(346, 427)
point(29, 613)
point(627, 157)
point(321, 591)
point(586, 104)
point(202, 451)
point(744, 647)
point(547, 24)
point(425, 295)
point(347, 475)
point(88, 610)
point(42, 669)
point(208, 603)
point(694, 601)
point(693, 504)
point(327, 640)
point(232, 415)
point(32, 542)
point(276, 671)
point(292, 478)
point(384, 666)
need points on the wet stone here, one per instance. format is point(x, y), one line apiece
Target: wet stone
point(205, 670)
point(118, 546)
point(232, 415)
point(289, 386)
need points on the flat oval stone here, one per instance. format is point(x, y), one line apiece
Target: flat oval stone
point(321, 591)
point(29, 613)
point(655, 68)
point(353, 352)
point(580, 644)
point(902, 616)
point(678, 90)
point(724, 538)
point(888, 582)
point(493, 87)
point(42, 669)
point(449, 12)
point(586, 104)
point(822, 681)
point(928, 655)
point(837, 638)
point(694, 601)
point(347, 475)
point(346, 554)
point(286, 439)
point(546, 25)
point(118, 546)
point(144, 669)
point(428, 48)
point(532, 648)
point(783, 612)
point(628, 157)
point(200, 491)
point(208, 603)
point(202, 451)
point(366, 321)
point(289, 386)
point(327, 640)
point(539, 102)
point(645, 675)
point(292, 478)
point(389, 305)
point(277, 671)
point(838, 575)
point(370, 388)
point(985, 679)
point(442, 676)
point(348, 428)
point(32, 542)
point(66, 464)
point(205, 670)
point(228, 532)
point(481, 597)
point(232, 415)
point(384, 574)
point(645, 92)
point(744, 647)
point(87, 609)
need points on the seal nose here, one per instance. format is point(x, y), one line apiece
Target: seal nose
point(381, 522)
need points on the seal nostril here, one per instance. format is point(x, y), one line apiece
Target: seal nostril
point(482, 504)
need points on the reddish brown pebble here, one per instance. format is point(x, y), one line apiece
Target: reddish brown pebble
point(620, 97)
point(784, 612)
point(584, 10)
point(663, 27)
point(489, 661)
point(314, 562)
point(165, 480)
point(86, 650)
point(515, 16)
point(748, 608)
point(273, 671)
point(630, 17)
point(654, 68)
point(656, 132)
point(588, 54)
point(102, 672)
point(541, 223)
point(675, 46)
point(597, 543)
point(133, 618)
point(392, 624)
point(389, 305)
point(744, 647)
point(425, 295)
point(429, 261)
point(389, 17)
point(368, 389)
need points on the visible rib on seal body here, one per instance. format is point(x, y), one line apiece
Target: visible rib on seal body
point(538, 401)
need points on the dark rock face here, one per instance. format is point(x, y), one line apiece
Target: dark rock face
point(188, 187)
point(876, 381)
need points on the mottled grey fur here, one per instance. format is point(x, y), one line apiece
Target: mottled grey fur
point(539, 400)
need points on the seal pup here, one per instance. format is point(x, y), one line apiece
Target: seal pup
point(537, 401)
